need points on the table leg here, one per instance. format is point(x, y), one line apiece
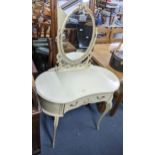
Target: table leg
point(56, 121)
point(107, 109)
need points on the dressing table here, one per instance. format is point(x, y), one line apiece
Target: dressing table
point(75, 82)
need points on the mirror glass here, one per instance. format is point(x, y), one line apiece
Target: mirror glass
point(77, 34)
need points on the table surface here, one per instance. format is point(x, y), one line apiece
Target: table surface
point(66, 86)
point(102, 55)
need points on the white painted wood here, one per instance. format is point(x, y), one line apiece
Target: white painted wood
point(56, 121)
point(63, 90)
point(74, 83)
point(63, 60)
point(108, 108)
point(66, 86)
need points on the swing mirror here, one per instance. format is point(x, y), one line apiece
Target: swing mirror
point(77, 35)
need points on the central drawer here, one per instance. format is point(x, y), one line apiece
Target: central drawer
point(73, 105)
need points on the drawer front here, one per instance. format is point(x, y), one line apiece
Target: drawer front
point(100, 98)
point(73, 105)
point(87, 100)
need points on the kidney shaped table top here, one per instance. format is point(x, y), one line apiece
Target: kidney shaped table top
point(66, 86)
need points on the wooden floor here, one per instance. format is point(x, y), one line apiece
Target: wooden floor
point(101, 55)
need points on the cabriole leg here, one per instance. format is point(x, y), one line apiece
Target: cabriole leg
point(56, 121)
point(108, 107)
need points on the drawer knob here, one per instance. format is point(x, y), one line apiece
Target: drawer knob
point(74, 104)
point(100, 97)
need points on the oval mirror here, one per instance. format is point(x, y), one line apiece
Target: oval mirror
point(77, 34)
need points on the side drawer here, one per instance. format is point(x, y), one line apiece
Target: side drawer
point(100, 98)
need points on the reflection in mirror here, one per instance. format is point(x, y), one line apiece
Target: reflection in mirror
point(77, 34)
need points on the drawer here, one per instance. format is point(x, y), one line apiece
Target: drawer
point(99, 98)
point(105, 97)
point(73, 105)
point(87, 100)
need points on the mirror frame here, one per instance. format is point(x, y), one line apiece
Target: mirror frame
point(61, 53)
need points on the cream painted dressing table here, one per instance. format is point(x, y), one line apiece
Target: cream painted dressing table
point(75, 82)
